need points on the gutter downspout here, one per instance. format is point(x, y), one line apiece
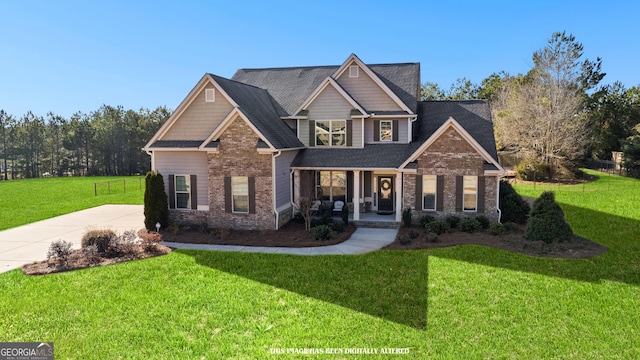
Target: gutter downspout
point(412, 119)
point(498, 198)
point(273, 190)
point(153, 162)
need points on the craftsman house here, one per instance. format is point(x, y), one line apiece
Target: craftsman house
point(239, 152)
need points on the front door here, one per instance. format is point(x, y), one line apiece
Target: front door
point(385, 193)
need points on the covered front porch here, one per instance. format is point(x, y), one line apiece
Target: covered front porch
point(371, 195)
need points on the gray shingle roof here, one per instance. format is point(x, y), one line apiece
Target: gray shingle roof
point(473, 115)
point(259, 108)
point(379, 156)
point(290, 87)
point(182, 144)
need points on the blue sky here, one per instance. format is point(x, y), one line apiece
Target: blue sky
point(68, 56)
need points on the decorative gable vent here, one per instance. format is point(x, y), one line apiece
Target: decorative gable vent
point(354, 71)
point(210, 95)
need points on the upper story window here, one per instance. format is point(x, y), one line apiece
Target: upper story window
point(386, 130)
point(331, 132)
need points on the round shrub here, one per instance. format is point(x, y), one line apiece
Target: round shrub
point(100, 238)
point(338, 226)
point(470, 225)
point(60, 250)
point(426, 219)
point(496, 229)
point(547, 222)
point(437, 227)
point(453, 221)
point(484, 222)
point(511, 227)
point(512, 206)
point(322, 232)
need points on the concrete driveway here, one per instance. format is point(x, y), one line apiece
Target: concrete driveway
point(29, 243)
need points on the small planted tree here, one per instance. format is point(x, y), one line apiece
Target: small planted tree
point(303, 206)
point(547, 222)
point(156, 206)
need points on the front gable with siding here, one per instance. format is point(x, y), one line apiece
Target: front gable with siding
point(240, 152)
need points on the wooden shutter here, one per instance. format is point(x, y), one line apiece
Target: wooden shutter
point(252, 195)
point(349, 132)
point(419, 201)
point(312, 133)
point(172, 191)
point(349, 186)
point(459, 193)
point(481, 192)
point(376, 130)
point(395, 129)
point(194, 192)
point(440, 193)
point(227, 194)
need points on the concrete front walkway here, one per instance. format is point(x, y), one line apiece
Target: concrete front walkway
point(29, 243)
point(363, 240)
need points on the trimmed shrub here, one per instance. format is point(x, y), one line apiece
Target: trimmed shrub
point(431, 237)
point(453, 221)
point(122, 245)
point(405, 240)
point(345, 214)
point(547, 222)
point(426, 219)
point(484, 222)
point(156, 206)
point(532, 170)
point(413, 234)
point(437, 227)
point(60, 251)
point(470, 225)
point(511, 227)
point(406, 217)
point(100, 238)
point(338, 226)
point(513, 207)
point(496, 229)
point(322, 232)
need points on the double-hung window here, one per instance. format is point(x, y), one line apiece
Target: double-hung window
point(429, 183)
point(331, 185)
point(386, 130)
point(183, 191)
point(470, 193)
point(331, 132)
point(240, 194)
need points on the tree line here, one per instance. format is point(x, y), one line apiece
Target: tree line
point(557, 114)
point(107, 141)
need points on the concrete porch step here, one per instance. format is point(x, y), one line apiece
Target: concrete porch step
point(376, 224)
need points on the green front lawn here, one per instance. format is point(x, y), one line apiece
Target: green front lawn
point(459, 302)
point(26, 201)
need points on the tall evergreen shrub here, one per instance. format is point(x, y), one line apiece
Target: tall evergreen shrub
point(156, 206)
point(513, 207)
point(547, 222)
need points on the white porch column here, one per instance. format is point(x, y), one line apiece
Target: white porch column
point(356, 195)
point(398, 196)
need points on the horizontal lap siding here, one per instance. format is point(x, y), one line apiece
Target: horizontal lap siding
point(185, 163)
point(329, 105)
point(200, 118)
point(366, 92)
point(357, 133)
point(283, 176)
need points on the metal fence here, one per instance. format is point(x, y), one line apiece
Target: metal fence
point(120, 186)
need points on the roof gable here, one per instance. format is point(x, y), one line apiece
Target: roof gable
point(330, 83)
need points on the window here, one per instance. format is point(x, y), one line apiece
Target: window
point(470, 193)
point(210, 95)
point(183, 191)
point(331, 133)
point(354, 71)
point(331, 185)
point(386, 130)
point(240, 194)
point(429, 192)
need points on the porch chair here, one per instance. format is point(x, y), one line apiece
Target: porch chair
point(338, 205)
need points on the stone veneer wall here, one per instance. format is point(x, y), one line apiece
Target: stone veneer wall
point(238, 156)
point(188, 217)
point(451, 155)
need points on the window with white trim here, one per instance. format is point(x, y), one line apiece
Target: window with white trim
point(210, 95)
point(331, 132)
point(386, 130)
point(354, 71)
point(429, 192)
point(470, 193)
point(240, 194)
point(183, 191)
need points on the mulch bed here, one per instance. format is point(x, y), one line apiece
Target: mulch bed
point(291, 235)
point(578, 247)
